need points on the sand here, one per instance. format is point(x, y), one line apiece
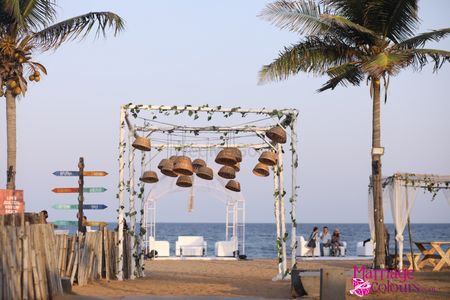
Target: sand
point(242, 278)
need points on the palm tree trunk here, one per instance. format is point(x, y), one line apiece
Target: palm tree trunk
point(376, 178)
point(11, 140)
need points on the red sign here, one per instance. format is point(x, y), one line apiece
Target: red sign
point(11, 202)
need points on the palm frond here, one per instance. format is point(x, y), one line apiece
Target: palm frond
point(421, 57)
point(353, 10)
point(386, 63)
point(11, 11)
point(421, 39)
point(298, 16)
point(38, 14)
point(77, 27)
point(314, 54)
point(395, 19)
point(344, 75)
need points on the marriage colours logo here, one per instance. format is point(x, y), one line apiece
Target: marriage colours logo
point(366, 281)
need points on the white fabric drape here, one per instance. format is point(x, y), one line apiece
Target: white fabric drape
point(402, 200)
point(447, 195)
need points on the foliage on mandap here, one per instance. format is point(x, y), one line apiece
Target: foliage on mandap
point(28, 27)
point(352, 41)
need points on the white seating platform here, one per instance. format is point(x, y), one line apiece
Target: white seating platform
point(161, 247)
point(366, 250)
point(302, 250)
point(190, 246)
point(206, 258)
point(225, 248)
point(308, 258)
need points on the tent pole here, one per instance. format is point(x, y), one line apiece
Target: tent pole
point(410, 245)
point(132, 204)
point(141, 245)
point(293, 200)
point(282, 211)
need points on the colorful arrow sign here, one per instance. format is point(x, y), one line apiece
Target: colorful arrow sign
point(75, 206)
point(77, 173)
point(75, 190)
point(75, 223)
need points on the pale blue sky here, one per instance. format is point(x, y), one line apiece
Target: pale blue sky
point(197, 52)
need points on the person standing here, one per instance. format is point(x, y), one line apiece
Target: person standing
point(324, 239)
point(312, 242)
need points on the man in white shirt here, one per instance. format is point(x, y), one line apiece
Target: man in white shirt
point(324, 239)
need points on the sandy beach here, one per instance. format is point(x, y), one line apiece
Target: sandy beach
point(241, 278)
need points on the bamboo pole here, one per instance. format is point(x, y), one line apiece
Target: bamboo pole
point(141, 247)
point(119, 270)
point(282, 210)
point(209, 146)
point(277, 218)
point(132, 211)
point(293, 200)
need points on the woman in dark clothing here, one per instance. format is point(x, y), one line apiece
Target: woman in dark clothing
point(336, 243)
point(312, 242)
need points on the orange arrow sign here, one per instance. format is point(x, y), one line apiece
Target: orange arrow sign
point(95, 173)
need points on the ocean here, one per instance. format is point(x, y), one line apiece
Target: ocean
point(260, 237)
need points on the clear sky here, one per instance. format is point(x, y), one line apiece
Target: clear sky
point(198, 52)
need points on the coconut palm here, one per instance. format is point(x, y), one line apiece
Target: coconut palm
point(354, 41)
point(28, 27)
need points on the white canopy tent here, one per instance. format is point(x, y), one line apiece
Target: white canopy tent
point(401, 189)
point(234, 205)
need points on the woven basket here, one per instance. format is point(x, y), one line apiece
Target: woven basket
point(226, 157)
point(183, 166)
point(277, 134)
point(261, 170)
point(205, 173)
point(233, 185)
point(237, 167)
point(227, 172)
point(184, 181)
point(142, 144)
point(167, 169)
point(268, 158)
point(197, 163)
point(237, 153)
point(162, 163)
point(149, 177)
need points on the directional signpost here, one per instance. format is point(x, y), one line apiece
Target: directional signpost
point(76, 190)
point(81, 173)
point(75, 206)
point(74, 223)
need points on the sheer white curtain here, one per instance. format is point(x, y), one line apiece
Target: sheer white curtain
point(402, 200)
point(447, 195)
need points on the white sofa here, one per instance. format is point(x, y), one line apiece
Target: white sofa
point(161, 247)
point(190, 246)
point(366, 250)
point(302, 250)
point(225, 248)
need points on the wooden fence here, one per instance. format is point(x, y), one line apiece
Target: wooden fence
point(29, 270)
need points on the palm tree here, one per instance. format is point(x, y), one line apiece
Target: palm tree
point(353, 41)
point(26, 27)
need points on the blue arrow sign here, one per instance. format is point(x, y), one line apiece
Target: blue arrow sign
point(66, 173)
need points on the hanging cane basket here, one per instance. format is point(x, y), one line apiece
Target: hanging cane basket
point(227, 172)
point(205, 173)
point(197, 163)
point(237, 153)
point(261, 170)
point(162, 163)
point(183, 166)
point(149, 177)
point(233, 185)
point(277, 134)
point(142, 144)
point(184, 181)
point(173, 158)
point(268, 158)
point(167, 169)
point(226, 157)
point(237, 167)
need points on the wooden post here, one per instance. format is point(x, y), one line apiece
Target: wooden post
point(293, 200)
point(141, 194)
point(119, 270)
point(80, 193)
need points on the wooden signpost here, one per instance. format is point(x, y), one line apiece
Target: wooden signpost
point(81, 173)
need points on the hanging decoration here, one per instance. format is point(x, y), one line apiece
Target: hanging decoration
point(233, 185)
point(268, 158)
point(261, 170)
point(142, 143)
point(227, 172)
point(277, 134)
point(184, 181)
